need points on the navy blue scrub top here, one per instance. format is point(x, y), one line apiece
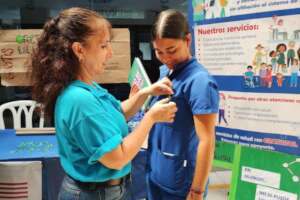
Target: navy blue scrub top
point(173, 146)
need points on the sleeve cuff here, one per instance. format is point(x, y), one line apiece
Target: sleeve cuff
point(108, 146)
point(205, 111)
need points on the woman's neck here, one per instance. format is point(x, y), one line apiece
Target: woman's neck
point(85, 77)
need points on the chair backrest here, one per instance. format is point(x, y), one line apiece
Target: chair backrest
point(17, 108)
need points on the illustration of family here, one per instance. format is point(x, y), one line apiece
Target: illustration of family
point(273, 67)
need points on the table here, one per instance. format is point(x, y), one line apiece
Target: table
point(44, 148)
point(34, 147)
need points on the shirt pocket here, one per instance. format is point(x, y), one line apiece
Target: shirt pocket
point(170, 170)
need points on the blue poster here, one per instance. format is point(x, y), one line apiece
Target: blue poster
point(252, 48)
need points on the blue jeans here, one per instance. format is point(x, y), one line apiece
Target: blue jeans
point(71, 191)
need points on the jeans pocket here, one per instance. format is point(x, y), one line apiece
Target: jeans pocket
point(68, 191)
point(115, 192)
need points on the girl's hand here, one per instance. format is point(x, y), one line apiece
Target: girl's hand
point(161, 87)
point(194, 196)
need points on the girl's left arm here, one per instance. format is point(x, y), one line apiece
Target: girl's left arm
point(205, 129)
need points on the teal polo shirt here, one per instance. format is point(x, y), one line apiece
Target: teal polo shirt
point(89, 123)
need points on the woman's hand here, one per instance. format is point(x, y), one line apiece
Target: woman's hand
point(163, 111)
point(161, 87)
point(133, 90)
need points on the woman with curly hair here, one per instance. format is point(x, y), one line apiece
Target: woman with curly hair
point(95, 147)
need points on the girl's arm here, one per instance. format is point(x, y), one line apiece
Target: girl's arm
point(205, 129)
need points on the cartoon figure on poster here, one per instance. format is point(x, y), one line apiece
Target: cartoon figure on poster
point(273, 55)
point(258, 57)
point(269, 79)
point(279, 79)
point(199, 9)
point(276, 29)
point(281, 49)
point(222, 108)
point(249, 77)
point(290, 53)
point(294, 73)
point(209, 9)
point(263, 75)
point(223, 4)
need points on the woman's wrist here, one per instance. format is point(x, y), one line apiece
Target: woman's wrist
point(145, 91)
point(149, 118)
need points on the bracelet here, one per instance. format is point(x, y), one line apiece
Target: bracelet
point(198, 192)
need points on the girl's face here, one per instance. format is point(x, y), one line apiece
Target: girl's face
point(172, 51)
point(281, 48)
point(273, 54)
point(97, 50)
point(269, 67)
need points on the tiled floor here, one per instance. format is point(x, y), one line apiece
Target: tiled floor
point(217, 194)
point(219, 185)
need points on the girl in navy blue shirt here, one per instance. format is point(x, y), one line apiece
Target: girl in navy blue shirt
point(181, 152)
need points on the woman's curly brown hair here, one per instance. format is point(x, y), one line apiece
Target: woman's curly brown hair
point(54, 64)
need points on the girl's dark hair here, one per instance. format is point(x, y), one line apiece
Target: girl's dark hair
point(170, 24)
point(279, 45)
point(271, 53)
point(54, 64)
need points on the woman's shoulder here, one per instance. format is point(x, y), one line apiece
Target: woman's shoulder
point(76, 93)
point(76, 97)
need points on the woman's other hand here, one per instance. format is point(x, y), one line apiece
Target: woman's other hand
point(133, 90)
point(161, 87)
point(163, 111)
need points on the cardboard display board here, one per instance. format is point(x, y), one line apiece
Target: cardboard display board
point(224, 155)
point(17, 45)
point(117, 68)
point(15, 79)
point(265, 175)
point(15, 49)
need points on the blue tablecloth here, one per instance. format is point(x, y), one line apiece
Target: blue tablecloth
point(26, 147)
point(44, 148)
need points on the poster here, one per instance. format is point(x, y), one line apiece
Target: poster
point(252, 48)
point(211, 10)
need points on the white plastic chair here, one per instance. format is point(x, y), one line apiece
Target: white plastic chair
point(17, 108)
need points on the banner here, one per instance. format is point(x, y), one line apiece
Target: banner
point(252, 48)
